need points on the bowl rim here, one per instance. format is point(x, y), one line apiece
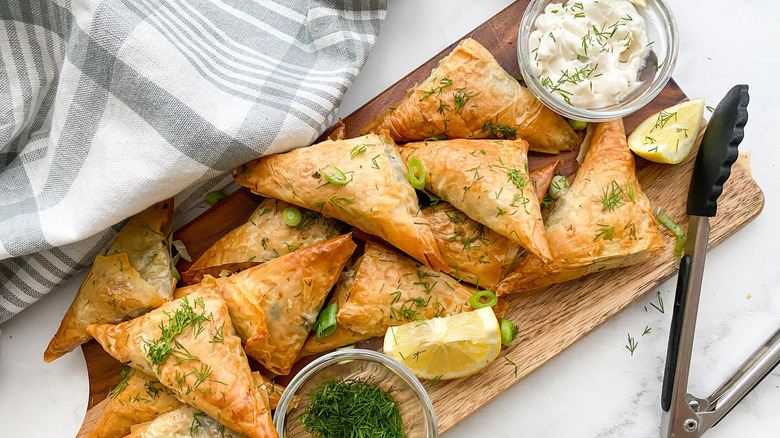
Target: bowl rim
point(318, 364)
point(572, 112)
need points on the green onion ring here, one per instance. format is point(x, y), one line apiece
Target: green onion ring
point(338, 178)
point(214, 197)
point(476, 300)
point(577, 125)
point(508, 332)
point(416, 173)
point(671, 225)
point(291, 216)
point(326, 321)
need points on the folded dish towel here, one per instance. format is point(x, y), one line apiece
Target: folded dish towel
point(108, 106)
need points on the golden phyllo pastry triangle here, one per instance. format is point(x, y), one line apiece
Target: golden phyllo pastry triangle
point(275, 305)
point(469, 95)
point(190, 346)
point(138, 398)
point(263, 237)
point(488, 181)
point(361, 181)
point(475, 253)
point(384, 288)
point(132, 278)
point(603, 221)
point(186, 421)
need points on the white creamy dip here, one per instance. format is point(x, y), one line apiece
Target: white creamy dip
point(589, 53)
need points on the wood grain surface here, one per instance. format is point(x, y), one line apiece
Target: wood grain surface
point(551, 319)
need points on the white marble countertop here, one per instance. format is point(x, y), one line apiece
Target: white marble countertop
point(594, 389)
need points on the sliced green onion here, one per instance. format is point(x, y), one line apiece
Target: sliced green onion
point(326, 321)
point(175, 273)
point(291, 216)
point(214, 197)
point(346, 347)
point(508, 332)
point(577, 125)
point(338, 178)
point(671, 225)
point(416, 173)
point(558, 186)
point(483, 298)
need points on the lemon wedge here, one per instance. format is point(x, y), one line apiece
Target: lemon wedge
point(668, 136)
point(446, 348)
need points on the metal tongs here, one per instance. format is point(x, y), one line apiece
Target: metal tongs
point(683, 414)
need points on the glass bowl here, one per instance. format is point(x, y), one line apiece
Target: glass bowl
point(659, 63)
point(414, 404)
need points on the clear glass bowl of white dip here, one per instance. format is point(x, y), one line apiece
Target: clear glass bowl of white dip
point(660, 60)
point(415, 406)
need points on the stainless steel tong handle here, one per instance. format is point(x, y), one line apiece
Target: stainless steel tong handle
point(685, 416)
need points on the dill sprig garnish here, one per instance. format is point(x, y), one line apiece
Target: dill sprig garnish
point(632, 344)
point(514, 176)
point(443, 83)
point(125, 373)
point(461, 97)
point(663, 118)
point(181, 320)
point(612, 196)
point(352, 408)
point(606, 232)
point(359, 149)
point(499, 131)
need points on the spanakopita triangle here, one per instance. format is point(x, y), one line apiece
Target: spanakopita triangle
point(488, 181)
point(603, 221)
point(190, 346)
point(384, 288)
point(469, 95)
point(263, 237)
point(132, 278)
point(275, 305)
point(360, 181)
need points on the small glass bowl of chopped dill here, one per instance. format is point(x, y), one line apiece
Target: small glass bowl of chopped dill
point(346, 393)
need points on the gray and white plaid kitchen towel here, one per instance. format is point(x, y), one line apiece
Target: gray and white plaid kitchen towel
point(107, 106)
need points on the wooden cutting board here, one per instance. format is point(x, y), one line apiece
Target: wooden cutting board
point(551, 319)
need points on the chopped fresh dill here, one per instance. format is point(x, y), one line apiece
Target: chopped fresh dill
point(632, 344)
point(359, 149)
point(647, 330)
point(606, 232)
point(612, 196)
point(660, 306)
point(125, 373)
point(499, 131)
point(510, 363)
point(341, 408)
point(663, 118)
point(181, 320)
point(335, 202)
point(630, 190)
point(443, 83)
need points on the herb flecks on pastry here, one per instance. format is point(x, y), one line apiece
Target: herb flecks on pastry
point(265, 236)
point(190, 346)
point(132, 278)
point(488, 181)
point(603, 221)
point(469, 95)
point(385, 288)
point(360, 181)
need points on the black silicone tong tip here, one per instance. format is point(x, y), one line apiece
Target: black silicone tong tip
point(718, 152)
